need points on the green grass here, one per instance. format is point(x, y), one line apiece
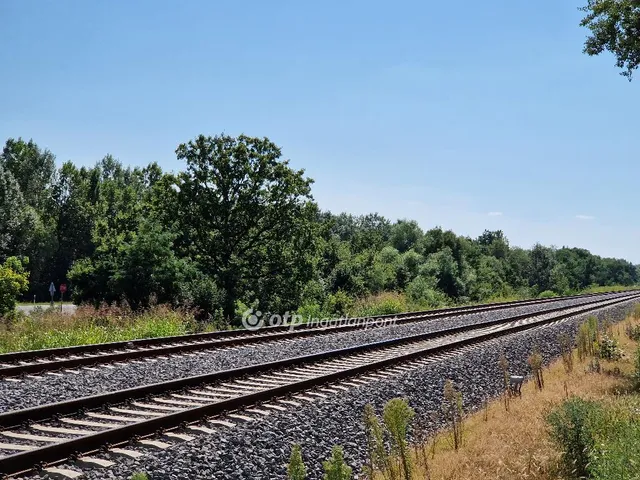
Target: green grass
point(51, 329)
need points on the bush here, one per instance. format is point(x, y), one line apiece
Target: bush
point(386, 303)
point(633, 332)
point(311, 310)
point(296, 469)
point(335, 468)
point(13, 281)
point(609, 348)
point(423, 294)
point(398, 416)
point(339, 303)
point(599, 441)
point(139, 476)
point(571, 430)
point(548, 294)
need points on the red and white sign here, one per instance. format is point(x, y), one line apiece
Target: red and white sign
point(63, 287)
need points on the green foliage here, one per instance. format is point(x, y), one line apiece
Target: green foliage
point(13, 281)
point(633, 332)
point(597, 441)
point(423, 293)
point(547, 294)
point(587, 338)
point(614, 26)
point(609, 348)
point(339, 303)
point(377, 457)
point(239, 225)
point(139, 476)
point(335, 468)
point(248, 215)
point(398, 415)
point(571, 429)
point(296, 469)
point(386, 303)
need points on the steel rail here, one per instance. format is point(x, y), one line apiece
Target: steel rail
point(121, 351)
point(25, 461)
point(436, 313)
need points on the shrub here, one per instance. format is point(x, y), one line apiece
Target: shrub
point(587, 338)
point(386, 303)
point(423, 294)
point(397, 416)
point(13, 281)
point(598, 441)
point(376, 452)
point(339, 303)
point(571, 430)
point(311, 310)
point(609, 348)
point(548, 294)
point(535, 363)
point(335, 468)
point(566, 349)
point(636, 372)
point(633, 332)
point(453, 412)
point(296, 469)
point(139, 476)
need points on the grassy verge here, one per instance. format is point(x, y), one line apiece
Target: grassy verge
point(50, 328)
point(525, 441)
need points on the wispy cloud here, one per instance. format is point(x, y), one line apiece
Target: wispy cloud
point(585, 217)
point(495, 214)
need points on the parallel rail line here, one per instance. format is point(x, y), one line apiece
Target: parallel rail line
point(86, 425)
point(16, 364)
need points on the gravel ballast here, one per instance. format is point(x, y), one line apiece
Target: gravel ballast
point(53, 388)
point(260, 450)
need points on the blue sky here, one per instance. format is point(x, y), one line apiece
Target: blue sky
point(468, 115)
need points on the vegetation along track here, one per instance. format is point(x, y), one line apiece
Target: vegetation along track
point(83, 427)
point(36, 361)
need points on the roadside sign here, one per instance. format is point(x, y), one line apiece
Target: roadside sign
point(63, 287)
point(52, 289)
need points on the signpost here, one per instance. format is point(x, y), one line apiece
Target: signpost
point(63, 289)
point(52, 290)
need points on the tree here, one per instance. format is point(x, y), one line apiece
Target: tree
point(32, 168)
point(13, 281)
point(542, 262)
point(405, 234)
point(615, 27)
point(246, 213)
point(11, 212)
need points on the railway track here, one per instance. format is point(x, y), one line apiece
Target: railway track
point(92, 429)
point(17, 364)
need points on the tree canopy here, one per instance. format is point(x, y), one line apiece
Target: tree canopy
point(615, 27)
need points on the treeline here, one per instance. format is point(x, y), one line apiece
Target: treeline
point(238, 227)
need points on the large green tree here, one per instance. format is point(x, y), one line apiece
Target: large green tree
point(615, 27)
point(246, 213)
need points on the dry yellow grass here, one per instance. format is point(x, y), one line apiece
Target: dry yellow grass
point(515, 444)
